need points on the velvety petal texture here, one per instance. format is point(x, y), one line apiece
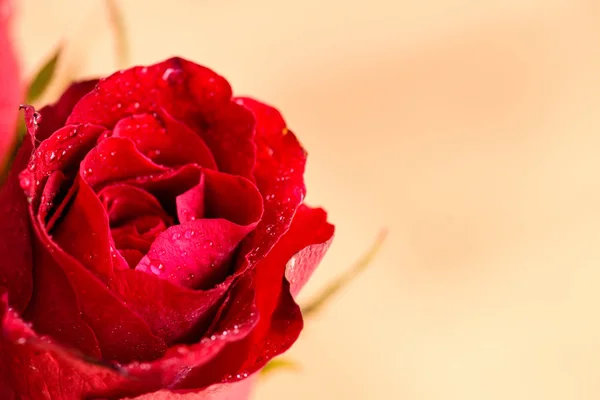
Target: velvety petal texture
point(155, 237)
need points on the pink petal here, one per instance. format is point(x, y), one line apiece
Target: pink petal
point(10, 95)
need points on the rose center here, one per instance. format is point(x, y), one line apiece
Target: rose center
point(136, 218)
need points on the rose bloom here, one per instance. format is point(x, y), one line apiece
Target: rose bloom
point(153, 238)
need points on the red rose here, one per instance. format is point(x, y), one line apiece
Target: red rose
point(153, 240)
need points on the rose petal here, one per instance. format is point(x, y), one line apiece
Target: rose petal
point(165, 141)
point(114, 160)
point(63, 151)
point(233, 391)
point(53, 300)
point(122, 335)
point(279, 176)
point(190, 205)
point(281, 321)
point(15, 235)
point(174, 313)
point(230, 137)
point(235, 322)
point(190, 93)
point(167, 186)
point(84, 233)
point(311, 232)
point(196, 254)
point(37, 368)
point(126, 202)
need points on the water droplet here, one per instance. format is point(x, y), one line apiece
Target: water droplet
point(136, 105)
point(21, 340)
point(210, 243)
point(145, 366)
point(156, 268)
point(25, 182)
point(183, 350)
point(176, 236)
point(171, 75)
point(190, 234)
point(213, 337)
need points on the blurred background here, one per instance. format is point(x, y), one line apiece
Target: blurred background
point(470, 129)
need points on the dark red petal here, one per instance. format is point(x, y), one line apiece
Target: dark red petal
point(122, 335)
point(114, 160)
point(84, 234)
point(165, 141)
point(270, 124)
point(34, 367)
point(172, 312)
point(197, 254)
point(280, 317)
point(15, 235)
point(190, 205)
point(230, 136)
point(125, 202)
point(53, 308)
point(231, 197)
point(63, 151)
point(193, 94)
point(167, 186)
point(279, 176)
point(235, 322)
point(303, 246)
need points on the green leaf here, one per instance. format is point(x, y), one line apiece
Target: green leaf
point(42, 79)
point(278, 364)
point(118, 25)
point(340, 282)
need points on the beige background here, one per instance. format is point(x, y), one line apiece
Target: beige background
point(469, 128)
